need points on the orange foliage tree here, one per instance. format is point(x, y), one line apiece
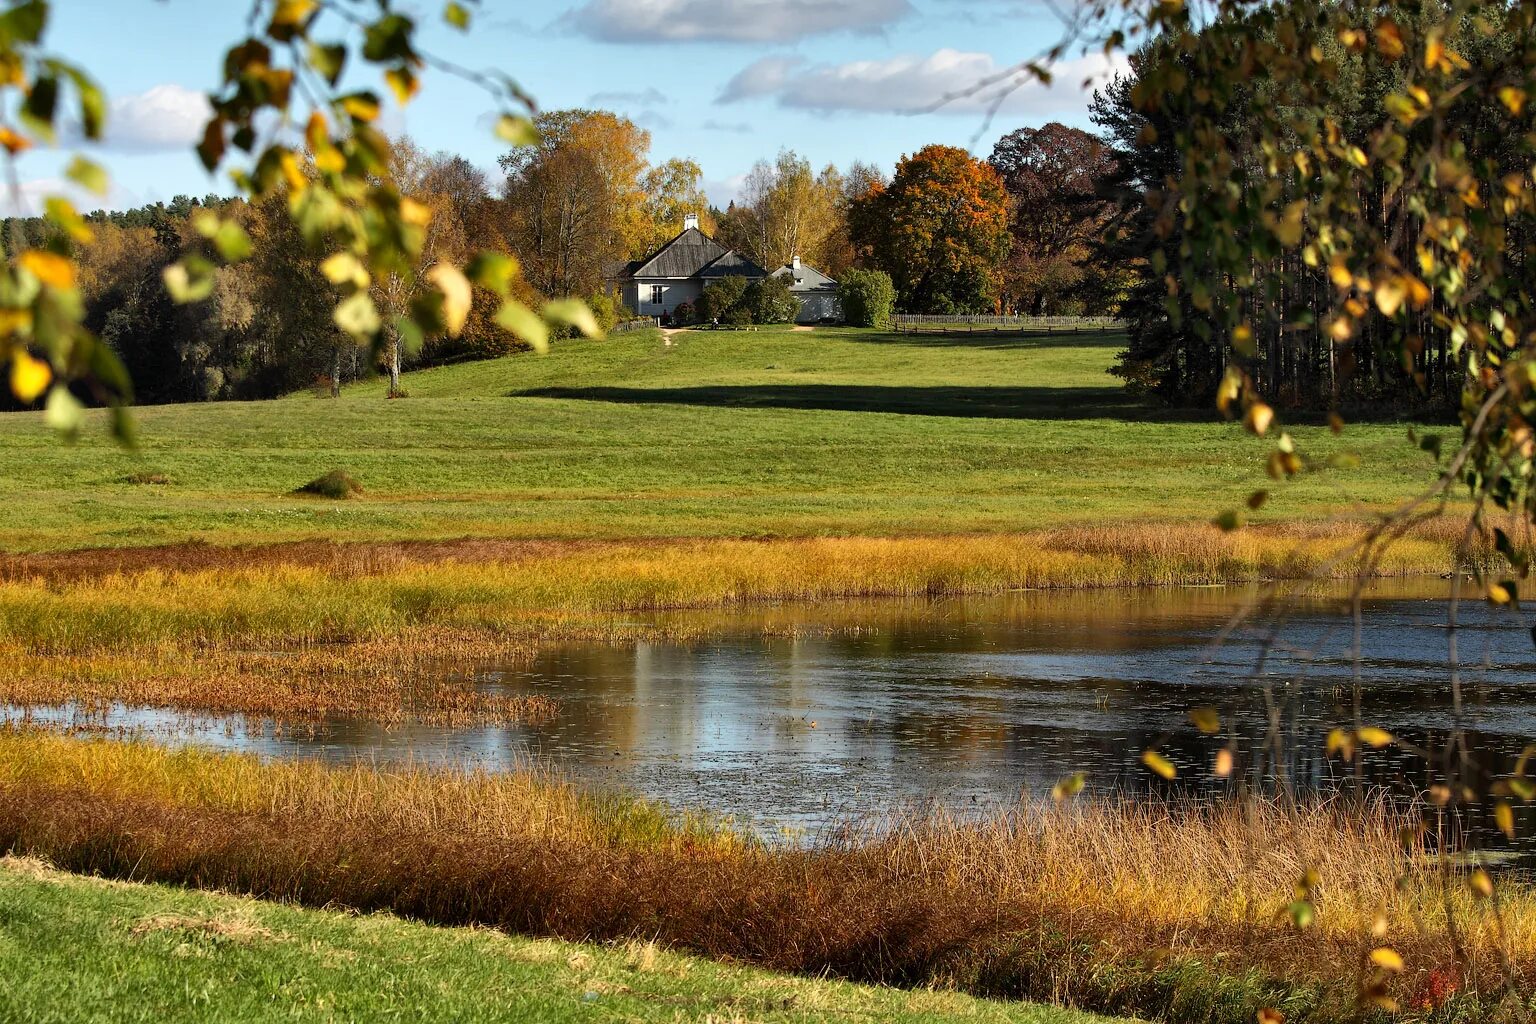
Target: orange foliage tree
point(940, 229)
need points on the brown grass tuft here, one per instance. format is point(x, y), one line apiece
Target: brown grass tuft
point(227, 928)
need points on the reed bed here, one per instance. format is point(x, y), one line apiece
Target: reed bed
point(1147, 909)
point(400, 593)
point(315, 685)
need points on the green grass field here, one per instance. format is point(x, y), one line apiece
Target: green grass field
point(76, 949)
point(721, 434)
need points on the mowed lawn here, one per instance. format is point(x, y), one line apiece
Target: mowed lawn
point(75, 949)
point(733, 434)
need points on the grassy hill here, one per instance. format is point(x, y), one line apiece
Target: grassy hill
point(726, 434)
point(80, 949)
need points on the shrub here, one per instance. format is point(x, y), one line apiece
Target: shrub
point(771, 301)
point(337, 485)
point(738, 315)
point(868, 297)
point(721, 297)
point(607, 311)
point(685, 315)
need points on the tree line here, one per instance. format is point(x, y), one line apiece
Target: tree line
point(953, 233)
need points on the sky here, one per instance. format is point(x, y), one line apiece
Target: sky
point(723, 82)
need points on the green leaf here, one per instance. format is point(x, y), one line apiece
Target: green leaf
point(328, 59)
point(358, 317)
point(493, 271)
point(24, 23)
point(89, 175)
point(232, 242)
point(389, 39)
point(576, 313)
point(457, 15)
point(42, 102)
point(1231, 519)
point(63, 410)
point(93, 103)
point(189, 280)
point(515, 130)
point(61, 213)
point(525, 323)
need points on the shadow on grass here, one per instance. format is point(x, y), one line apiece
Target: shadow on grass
point(1020, 403)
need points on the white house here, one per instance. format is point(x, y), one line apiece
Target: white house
point(816, 291)
point(678, 272)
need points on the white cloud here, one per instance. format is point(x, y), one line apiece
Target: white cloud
point(731, 21)
point(911, 84)
point(724, 191)
point(649, 97)
point(166, 117)
point(27, 199)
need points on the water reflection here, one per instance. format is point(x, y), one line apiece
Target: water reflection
point(799, 716)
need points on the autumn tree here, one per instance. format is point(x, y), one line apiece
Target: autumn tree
point(450, 189)
point(577, 200)
point(674, 190)
point(940, 229)
point(1053, 174)
point(789, 210)
point(840, 253)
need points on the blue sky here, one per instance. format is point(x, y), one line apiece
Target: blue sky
point(725, 82)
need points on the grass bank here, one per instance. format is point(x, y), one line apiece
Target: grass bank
point(719, 434)
point(83, 949)
point(1178, 912)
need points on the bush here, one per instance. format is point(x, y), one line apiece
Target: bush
point(868, 297)
point(721, 297)
point(685, 315)
point(337, 485)
point(607, 311)
point(771, 301)
point(737, 316)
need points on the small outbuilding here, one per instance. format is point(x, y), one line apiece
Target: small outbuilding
point(816, 292)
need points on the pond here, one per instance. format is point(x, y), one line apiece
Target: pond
point(796, 717)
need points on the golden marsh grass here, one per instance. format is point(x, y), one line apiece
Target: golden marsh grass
point(1144, 908)
point(494, 594)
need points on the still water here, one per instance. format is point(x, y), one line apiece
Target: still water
point(799, 716)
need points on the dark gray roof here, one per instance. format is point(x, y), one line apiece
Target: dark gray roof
point(733, 264)
point(809, 279)
point(684, 256)
point(690, 254)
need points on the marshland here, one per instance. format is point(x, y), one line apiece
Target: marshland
point(844, 736)
point(602, 569)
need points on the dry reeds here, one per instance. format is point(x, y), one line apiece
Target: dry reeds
point(56, 606)
point(390, 686)
point(1146, 909)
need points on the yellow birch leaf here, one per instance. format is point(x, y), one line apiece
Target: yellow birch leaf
point(1387, 959)
point(48, 267)
point(457, 296)
point(1159, 764)
point(29, 377)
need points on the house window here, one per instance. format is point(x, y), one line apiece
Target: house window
point(656, 293)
